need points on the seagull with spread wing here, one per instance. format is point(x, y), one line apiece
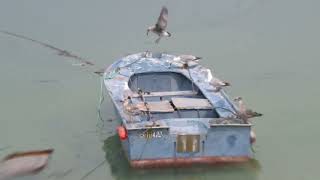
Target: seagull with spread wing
point(160, 27)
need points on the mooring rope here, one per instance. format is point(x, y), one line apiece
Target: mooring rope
point(92, 170)
point(146, 142)
point(192, 81)
point(101, 99)
point(222, 92)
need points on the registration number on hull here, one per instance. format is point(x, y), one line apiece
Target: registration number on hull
point(150, 133)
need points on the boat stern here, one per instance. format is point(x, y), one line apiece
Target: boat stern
point(189, 142)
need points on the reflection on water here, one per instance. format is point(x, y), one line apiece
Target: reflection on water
point(268, 50)
point(120, 168)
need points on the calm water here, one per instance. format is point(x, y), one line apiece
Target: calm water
point(268, 50)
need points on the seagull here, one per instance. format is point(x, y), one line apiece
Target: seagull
point(160, 26)
point(129, 107)
point(218, 84)
point(245, 113)
point(208, 74)
point(185, 59)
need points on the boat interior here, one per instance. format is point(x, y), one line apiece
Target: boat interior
point(166, 95)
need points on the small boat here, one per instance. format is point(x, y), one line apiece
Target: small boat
point(170, 114)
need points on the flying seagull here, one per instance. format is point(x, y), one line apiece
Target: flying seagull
point(245, 113)
point(160, 27)
point(218, 84)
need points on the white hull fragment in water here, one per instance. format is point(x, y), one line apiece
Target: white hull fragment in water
point(24, 163)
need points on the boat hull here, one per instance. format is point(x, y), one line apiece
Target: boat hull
point(172, 116)
point(185, 162)
point(219, 145)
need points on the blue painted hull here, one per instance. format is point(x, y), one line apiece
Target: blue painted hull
point(220, 144)
point(174, 137)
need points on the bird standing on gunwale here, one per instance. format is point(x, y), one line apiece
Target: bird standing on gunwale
point(245, 113)
point(160, 27)
point(187, 58)
point(218, 84)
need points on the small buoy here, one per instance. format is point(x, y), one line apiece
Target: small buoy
point(253, 137)
point(122, 132)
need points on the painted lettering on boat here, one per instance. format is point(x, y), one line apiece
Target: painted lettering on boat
point(150, 133)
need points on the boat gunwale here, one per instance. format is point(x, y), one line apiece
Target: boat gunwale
point(205, 92)
point(131, 126)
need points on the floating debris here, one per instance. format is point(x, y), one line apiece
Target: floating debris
point(24, 163)
point(100, 72)
point(46, 81)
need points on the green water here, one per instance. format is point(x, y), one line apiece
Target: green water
point(268, 50)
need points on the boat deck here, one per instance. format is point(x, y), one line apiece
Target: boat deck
point(172, 115)
point(166, 89)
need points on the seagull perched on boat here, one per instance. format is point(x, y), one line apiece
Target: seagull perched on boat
point(185, 59)
point(218, 84)
point(208, 74)
point(129, 107)
point(245, 113)
point(160, 27)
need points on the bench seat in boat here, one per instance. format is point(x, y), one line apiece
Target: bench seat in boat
point(191, 103)
point(159, 106)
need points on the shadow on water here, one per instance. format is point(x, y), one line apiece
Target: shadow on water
point(120, 168)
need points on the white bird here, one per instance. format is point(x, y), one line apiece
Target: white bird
point(129, 107)
point(218, 84)
point(160, 27)
point(245, 113)
point(208, 75)
point(185, 59)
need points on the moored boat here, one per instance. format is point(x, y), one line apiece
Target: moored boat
point(171, 115)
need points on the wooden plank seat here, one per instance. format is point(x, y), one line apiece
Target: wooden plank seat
point(191, 103)
point(167, 93)
point(160, 106)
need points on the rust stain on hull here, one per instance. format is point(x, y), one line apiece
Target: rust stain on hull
point(181, 162)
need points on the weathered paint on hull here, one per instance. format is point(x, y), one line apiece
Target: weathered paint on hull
point(185, 162)
point(175, 138)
